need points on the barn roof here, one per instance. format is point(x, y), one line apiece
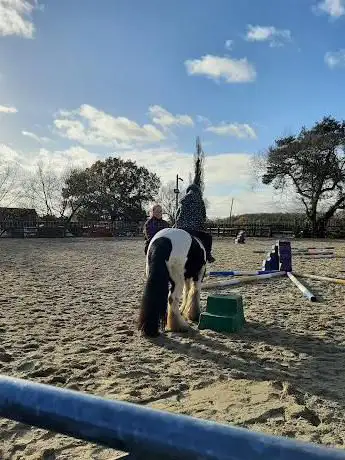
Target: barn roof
point(17, 213)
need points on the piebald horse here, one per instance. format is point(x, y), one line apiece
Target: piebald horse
point(175, 264)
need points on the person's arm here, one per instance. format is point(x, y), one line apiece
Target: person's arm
point(146, 230)
point(203, 210)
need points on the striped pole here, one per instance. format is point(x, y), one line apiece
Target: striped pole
point(144, 432)
point(309, 295)
point(314, 253)
point(221, 284)
point(324, 278)
point(326, 247)
point(240, 273)
point(313, 249)
point(318, 256)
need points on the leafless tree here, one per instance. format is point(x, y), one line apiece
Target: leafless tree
point(167, 199)
point(44, 190)
point(10, 189)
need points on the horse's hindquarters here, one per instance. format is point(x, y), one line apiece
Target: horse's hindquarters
point(154, 301)
point(173, 255)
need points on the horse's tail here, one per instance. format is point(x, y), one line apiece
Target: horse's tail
point(154, 303)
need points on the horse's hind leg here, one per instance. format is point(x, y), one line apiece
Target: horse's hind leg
point(192, 309)
point(175, 322)
point(185, 295)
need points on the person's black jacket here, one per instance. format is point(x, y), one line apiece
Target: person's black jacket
point(191, 214)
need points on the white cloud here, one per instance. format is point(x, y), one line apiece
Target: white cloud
point(23, 166)
point(276, 37)
point(222, 68)
point(229, 44)
point(226, 175)
point(246, 202)
point(335, 58)
point(15, 18)
point(60, 160)
point(334, 8)
point(91, 126)
point(7, 109)
point(202, 119)
point(222, 169)
point(35, 137)
point(233, 129)
point(7, 154)
point(165, 119)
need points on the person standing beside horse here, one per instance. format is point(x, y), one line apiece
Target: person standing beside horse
point(191, 217)
point(154, 224)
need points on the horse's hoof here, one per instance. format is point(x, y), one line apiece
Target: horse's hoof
point(149, 333)
point(184, 328)
point(178, 329)
point(194, 318)
point(193, 314)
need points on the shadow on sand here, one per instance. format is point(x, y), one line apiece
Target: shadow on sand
point(314, 366)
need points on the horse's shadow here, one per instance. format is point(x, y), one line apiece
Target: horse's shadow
point(314, 366)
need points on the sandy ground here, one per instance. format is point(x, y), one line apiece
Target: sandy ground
point(67, 318)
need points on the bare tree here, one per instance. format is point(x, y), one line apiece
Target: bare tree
point(10, 190)
point(44, 190)
point(167, 199)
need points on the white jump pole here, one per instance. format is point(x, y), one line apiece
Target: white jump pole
point(323, 278)
point(309, 295)
point(318, 257)
point(241, 273)
point(245, 279)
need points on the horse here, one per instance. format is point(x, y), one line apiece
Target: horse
point(175, 265)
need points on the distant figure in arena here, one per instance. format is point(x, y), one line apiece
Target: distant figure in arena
point(191, 216)
point(154, 224)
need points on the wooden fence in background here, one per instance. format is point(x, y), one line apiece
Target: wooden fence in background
point(21, 229)
point(46, 229)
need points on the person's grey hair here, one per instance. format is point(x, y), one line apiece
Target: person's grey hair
point(154, 207)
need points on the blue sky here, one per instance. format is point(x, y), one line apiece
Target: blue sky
point(82, 79)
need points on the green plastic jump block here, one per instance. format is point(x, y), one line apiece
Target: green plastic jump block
point(220, 323)
point(225, 305)
point(224, 313)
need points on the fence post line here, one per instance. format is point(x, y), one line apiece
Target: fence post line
point(217, 229)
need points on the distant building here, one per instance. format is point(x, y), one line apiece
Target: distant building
point(18, 215)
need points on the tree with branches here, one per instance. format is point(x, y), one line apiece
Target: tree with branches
point(312, 164)
point(43, 190)
point(167, 199)
point(112, 189)
point(10, 190)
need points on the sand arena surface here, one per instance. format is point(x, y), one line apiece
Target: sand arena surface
point(67, 317)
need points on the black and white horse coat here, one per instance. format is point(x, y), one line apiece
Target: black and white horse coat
point(174, 260)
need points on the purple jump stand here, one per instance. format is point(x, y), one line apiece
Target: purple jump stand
point(280, 258)
point(285, 256)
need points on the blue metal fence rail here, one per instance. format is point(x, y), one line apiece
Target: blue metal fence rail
point(143, 432)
